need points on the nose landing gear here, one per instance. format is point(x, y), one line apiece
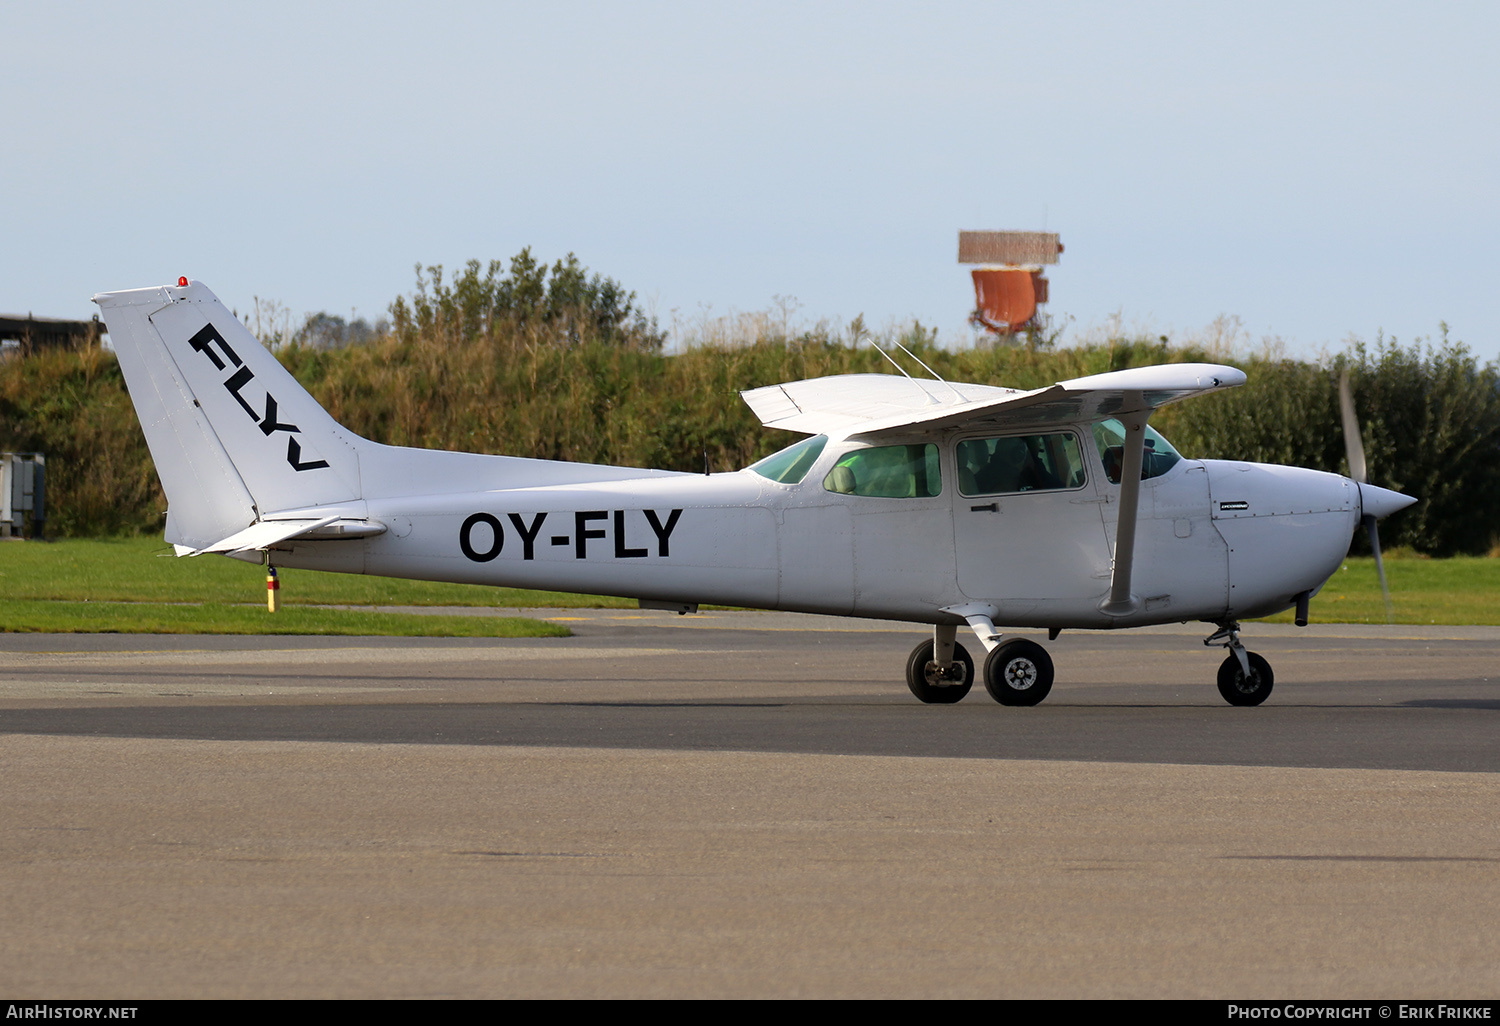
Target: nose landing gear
point(1240, 688)
point(1245, 678)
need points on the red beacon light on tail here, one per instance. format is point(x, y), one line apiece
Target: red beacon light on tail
point(1008, 286)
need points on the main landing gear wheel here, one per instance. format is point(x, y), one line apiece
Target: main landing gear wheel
point(933, 685)
point(1238, 689)
point(1018, 673)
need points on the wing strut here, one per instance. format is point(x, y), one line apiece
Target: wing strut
point(1120, 601)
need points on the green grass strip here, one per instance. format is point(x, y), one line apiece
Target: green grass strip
point(1461, 590)
point(38, 580)
point(23, 615)
point(146, 570)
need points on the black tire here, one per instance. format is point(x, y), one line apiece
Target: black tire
point(923, 679)
point(1018, 672)
point(1238, 689)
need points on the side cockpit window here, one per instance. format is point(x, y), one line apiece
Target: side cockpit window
point(1020, 463)
point(889, 472)
point(790, 465)
point(1159, 457)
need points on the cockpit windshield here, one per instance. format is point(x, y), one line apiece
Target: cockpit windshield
point(790, 465)
point(1158, 458)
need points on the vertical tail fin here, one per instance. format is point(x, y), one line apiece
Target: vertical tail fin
point(233, 435)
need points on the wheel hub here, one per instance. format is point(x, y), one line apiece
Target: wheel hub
point(1246, 685)
point(1020, 673)
point(938, 677)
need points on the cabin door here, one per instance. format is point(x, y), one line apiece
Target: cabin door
point(1027, 524)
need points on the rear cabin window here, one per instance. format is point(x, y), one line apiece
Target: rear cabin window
point(790, 465)
point(1020, 463)
point(888, 472)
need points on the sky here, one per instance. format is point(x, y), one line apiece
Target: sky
point(1315, 171)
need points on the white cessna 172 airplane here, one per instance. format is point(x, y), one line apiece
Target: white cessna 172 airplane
point(923, 501)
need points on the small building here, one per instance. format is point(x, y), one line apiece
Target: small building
point(30, 333)
point(23, 477)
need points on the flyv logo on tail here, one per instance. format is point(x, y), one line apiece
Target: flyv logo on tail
point(205, 342)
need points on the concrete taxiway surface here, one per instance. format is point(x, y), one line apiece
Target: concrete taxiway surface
point(741, 804)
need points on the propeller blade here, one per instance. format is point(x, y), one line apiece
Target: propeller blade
point(1374, 502)
point(1385, 591)
point(1354, 446)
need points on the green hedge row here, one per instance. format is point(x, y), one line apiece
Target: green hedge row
point(1430, 420)
point(600, 391)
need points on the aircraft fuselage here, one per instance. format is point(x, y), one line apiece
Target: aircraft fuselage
point(1216, 540)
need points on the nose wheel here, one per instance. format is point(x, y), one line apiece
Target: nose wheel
point(1240, 688)
point(1244, 677)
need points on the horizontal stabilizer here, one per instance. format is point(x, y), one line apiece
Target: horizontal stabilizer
point(267, 533)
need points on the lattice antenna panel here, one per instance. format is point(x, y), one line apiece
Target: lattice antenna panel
point(1017, 249)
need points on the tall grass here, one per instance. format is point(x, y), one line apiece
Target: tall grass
point(71, 404)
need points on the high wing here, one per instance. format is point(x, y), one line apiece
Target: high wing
point(871, 405)
point(868, 406)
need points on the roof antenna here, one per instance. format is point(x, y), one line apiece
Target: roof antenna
point(928, 369)
point(871, 339)
point(913, 355)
